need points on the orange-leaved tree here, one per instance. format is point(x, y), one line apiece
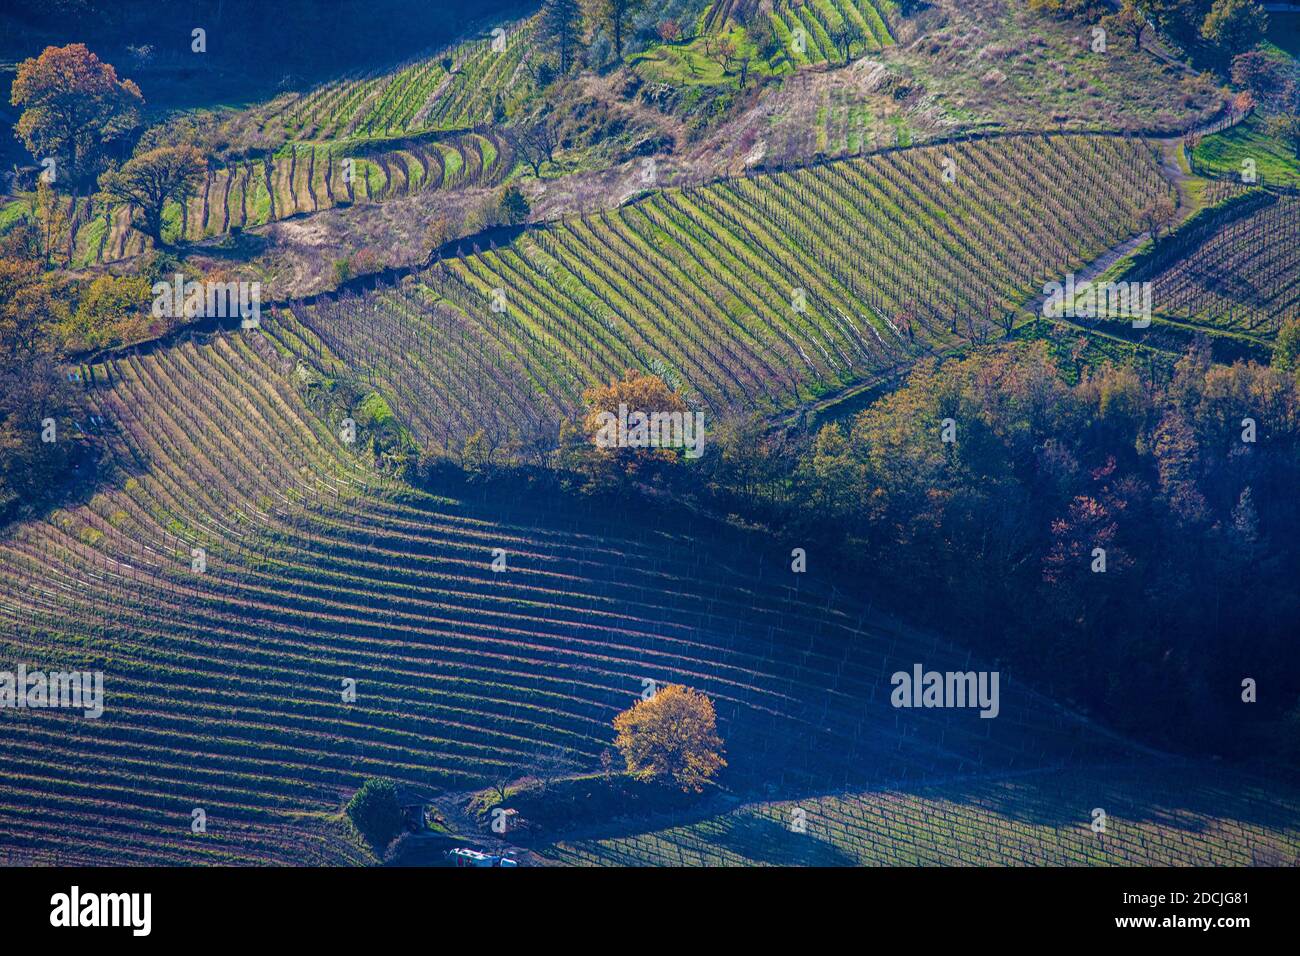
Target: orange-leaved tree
point(638, 396)
point(673, 735)
point(73, 104)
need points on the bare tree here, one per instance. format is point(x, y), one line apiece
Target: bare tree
point(535, 139)
point(722, 50)
point(550, 765)
point(1156, 215)
point(502, 778)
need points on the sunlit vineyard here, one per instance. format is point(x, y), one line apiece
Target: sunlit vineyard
point(808, 29)
point(453, 89)
point(298, 179)
point(1240, 273)
point(1164, 815)
point(223, 684)
point(755, 293)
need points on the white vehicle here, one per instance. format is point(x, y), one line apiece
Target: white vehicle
point(463, 856)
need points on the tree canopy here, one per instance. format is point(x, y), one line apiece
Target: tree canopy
point(73, 105)
point(375, 812)
point(672, 736)
point(32, 458)
point(146, 182)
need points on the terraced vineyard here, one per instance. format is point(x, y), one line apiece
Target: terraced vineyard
point(261, 541)
point(426, 125)
point(464, 89)
point(454, 89)
point(757, 293)
point(223, 685)
point(299, 179)
point(1165, 816)
point(808, 29)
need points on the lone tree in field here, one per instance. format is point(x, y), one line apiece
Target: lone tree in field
point(1157, 215)
point(73, 105)
point(535, 139)
point(722, 50)
point(375, 812)
point(673, 735)
point(146, 182)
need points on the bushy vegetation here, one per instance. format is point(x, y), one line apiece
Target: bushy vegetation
point(375, 812)
point(1005, 519)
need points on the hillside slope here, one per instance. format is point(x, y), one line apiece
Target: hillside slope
point(223, 686)
point(753, 294)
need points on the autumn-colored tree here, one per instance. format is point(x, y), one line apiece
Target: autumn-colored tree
point(672, 736)
point(73, 104)
point(637, 393)
point(637, 390)
point(1128, 21)
point(113, 310)
point(1088, 525)
point(146, 183)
